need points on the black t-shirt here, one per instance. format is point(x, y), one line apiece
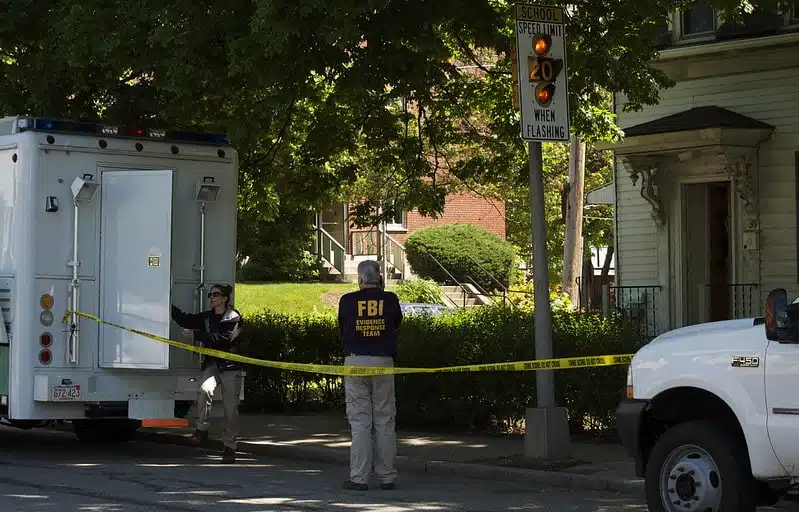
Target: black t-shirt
point(368, 321)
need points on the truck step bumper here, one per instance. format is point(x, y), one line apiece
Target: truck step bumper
point(629, 423)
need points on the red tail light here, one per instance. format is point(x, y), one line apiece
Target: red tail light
point(46, 339)
point(45, 356)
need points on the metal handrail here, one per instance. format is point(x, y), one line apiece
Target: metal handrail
point(484, 292)
point(337, 250)
point(489, 274)
point(392, 239)
point(330, 237)
point(396, 243)
point(462, 287)
point(476, 285)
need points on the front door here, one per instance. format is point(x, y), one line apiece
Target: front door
point(706, 251)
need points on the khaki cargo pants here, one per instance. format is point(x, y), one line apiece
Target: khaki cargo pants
point(371, 405)
point(230, 382)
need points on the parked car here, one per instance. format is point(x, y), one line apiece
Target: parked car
point(416, 308)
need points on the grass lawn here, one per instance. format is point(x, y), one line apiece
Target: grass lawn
point(292, 298)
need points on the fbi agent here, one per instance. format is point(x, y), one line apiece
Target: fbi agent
point(368, 321)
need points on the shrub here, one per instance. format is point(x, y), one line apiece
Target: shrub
point(419, 290)
point(521, 295)
point(487, 334)
point(462, 249)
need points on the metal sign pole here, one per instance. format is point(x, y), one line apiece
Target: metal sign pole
point(541, 73)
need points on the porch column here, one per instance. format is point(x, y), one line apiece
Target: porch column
point(647, 170)
point(741, 167)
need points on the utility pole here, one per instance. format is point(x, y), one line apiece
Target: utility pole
point(540, 73)
point(573, 240)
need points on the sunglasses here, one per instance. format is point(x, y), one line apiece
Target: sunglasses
point(214, 294)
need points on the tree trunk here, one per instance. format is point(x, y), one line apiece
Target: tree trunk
point(573, 243)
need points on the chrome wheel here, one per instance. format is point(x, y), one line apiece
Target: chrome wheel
point(690, 480)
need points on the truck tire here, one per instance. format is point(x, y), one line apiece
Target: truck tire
point(106, 430)
point(700, 465)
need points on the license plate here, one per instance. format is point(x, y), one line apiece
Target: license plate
point(66, 393)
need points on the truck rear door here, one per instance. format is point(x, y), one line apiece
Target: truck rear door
point(135, 263)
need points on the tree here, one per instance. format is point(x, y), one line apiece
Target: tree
point(305, 88)
point(573, 198)
point(597, 226)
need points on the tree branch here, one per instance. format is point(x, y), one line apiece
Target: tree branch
point(281, 133)
point(470, 54)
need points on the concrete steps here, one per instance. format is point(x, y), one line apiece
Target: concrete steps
point(350, 275)
point(455, 296)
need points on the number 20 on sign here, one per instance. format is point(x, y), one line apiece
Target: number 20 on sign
point(541, 71)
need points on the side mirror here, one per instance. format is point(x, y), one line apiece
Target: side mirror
point(778, 324)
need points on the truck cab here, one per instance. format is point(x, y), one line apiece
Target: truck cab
point(711, 413)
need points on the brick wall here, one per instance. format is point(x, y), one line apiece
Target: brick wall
point(461, 208)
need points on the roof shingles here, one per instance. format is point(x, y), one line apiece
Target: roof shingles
point(697, 118)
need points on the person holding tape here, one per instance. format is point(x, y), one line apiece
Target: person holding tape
point(218, 328)
point(368, 322)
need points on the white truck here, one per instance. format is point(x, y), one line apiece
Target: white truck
point(114, 222)
point(711, 415)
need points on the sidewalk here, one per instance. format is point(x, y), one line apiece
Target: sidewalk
point(325, 437)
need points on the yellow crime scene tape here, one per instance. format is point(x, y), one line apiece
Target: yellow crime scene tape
point(562, 363)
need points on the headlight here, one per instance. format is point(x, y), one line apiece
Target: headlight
point(630, 381)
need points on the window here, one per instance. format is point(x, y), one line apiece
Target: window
point(397, 221)
point(698, 20)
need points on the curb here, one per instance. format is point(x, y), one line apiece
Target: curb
point(629, 486)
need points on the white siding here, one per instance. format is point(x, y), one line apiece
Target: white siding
point(768, 96)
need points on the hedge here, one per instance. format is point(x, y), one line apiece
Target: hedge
point(467, 252)
point(425, 291)
point(484, 401)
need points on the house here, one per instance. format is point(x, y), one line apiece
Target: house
point(340, 246)
point(706, 181)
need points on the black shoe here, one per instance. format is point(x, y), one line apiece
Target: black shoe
point(354, 486)
point(200, 437)
point(387, 486)
point(229, 456)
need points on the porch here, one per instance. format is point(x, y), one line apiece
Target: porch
point(340, 249)
point(688, 222)
point(638, 304)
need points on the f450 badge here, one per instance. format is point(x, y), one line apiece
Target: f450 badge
point(745, 362)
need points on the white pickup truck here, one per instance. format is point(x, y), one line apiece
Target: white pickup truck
point(711, 414)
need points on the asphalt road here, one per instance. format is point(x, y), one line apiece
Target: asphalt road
point(45, 470)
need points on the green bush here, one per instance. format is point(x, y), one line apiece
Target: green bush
point(277, 250)
point(488, 334)
point(465, 251)
point(419, 290)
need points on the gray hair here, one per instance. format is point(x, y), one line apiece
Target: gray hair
point(369, 272)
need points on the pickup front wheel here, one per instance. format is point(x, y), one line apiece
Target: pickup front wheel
point(702, 466)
